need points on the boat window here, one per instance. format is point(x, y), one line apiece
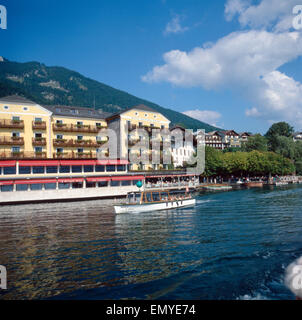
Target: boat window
point(22, 187)
point(24, 170)
point(36, 186)
point(64, 169)
point(38, 170)
point(110, 168)
point(8, 188)
point(88, 168)
point(50, 186)
point(76, 169)
point(164, 196)
point(148, 197)
point(155, 196)
point(103, 184)
point(90, 184)
point(99, 168)
point(115, 183)
point(9, 170)
point(52, 169)
point(126, 183)
point(121, 168)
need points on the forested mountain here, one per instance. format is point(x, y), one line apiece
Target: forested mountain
point(60, 86)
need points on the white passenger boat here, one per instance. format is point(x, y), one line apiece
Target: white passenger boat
point(154, 201)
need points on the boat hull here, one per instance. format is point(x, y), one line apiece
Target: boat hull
point(154, 206)
point(256, 184)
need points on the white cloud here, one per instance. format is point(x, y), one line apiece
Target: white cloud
point(275, 14)
point(207, 116)
point(174, 26)
point(246, 62)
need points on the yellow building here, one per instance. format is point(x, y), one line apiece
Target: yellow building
point(24, 129)
point(32, 131)
point(127, 124)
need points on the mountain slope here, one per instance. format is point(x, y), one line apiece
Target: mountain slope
point(60, 86)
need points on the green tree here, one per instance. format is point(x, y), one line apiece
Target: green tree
point(278, 129)
point(256, 142)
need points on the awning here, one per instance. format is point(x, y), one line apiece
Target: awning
point(70, 180)
point(77, 162)
point(123, 178)
point(10, 163)
point(6, 183)
point(96, 179)
point(112, 162)
point(37, 181)
point(38, 163)
point(172, 176)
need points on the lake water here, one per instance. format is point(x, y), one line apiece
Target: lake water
point(232, 245)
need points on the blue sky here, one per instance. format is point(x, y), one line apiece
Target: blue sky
point(123, 43)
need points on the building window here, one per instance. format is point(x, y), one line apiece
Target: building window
point(76, 169)
point(59, 136)
point(9, 170)
point(16, 118)
point(110, 168)
point(64, 169)
point(21, 187)
point(115, 183)
point(38, 170)
point(102, 184)
point(6, 107)
point(38, 135)
point(59, 121)
point(80, 123)
point(126, 183)
point(52, 169)
point(121, 168)
point(146, 115)
point(99, 168)
point(8, 188)
point(16, 134)
point(88, 168)
point(80, 137)
point(15, 149)
point(38, 120)
point(140, 124)
point(36, 186)
point(38, 149)
point(90, 184)
point(60, 150)
point(24, 170)
point(64, 185)
point(50, 186)
point(25, 108)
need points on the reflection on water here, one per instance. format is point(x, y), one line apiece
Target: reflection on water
point(230, 246)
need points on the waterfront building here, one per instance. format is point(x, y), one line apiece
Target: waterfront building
point(214, 139)
point(136, 131)
point(182, 151)
point(297, 136)
point(244, 136)
point(231, 139)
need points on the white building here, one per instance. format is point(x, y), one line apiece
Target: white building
point(182, 151)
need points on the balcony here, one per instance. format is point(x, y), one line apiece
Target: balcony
point(11, 141)
point(63, 127)
point(22, 155)
point(39, 142)
point(39, 125)
point(77, 143)
point(75, 155)
point(11, 124)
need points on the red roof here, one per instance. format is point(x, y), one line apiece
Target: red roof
point(8, 163)
point(38, 163)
